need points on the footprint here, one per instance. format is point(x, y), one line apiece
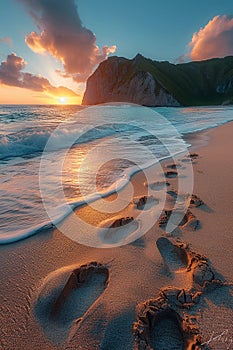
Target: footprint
point(170, 174)
point(182, 220)
point(159, 185)
point(194, 155)
point(66, 296)
point(186, 160)
point(174, 194)
point(145, 202)
point(119, 231)
point(163, 322)
point(189, 221)
point(203, 274)
point(191, 201)
point(159, 326)
point(195, 201)
point(168, 332)
point(121, 222)
point(190, 158)
point(179, 257)
point(163, 220)
point(174, 256)
point(175, 197)
point(173, 166)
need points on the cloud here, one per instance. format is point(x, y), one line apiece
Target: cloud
point(11, 74)
point(63, 35)
point(214, 40)
point(7, 40)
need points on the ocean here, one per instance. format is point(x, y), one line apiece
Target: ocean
point(89, 152)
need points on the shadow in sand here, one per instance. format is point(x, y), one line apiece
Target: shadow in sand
point(168, 332)
point(117, 333)
point(206, 208)
point(139, 243)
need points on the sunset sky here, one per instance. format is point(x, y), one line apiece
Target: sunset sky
point(48, 48)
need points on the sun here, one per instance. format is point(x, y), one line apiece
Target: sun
point(62, 100)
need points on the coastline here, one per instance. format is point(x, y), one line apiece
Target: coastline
point(19, 233)
point(136, 270)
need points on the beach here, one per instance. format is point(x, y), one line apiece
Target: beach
point(118, 284)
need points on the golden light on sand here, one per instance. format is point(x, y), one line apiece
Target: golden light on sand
point(63, 100)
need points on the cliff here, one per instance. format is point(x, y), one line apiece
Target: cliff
point(153, 83)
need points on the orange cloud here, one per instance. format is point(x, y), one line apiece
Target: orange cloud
point(11, 74)
point(214, 40)
point(63, 35)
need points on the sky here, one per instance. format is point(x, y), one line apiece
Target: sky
point(48, 48)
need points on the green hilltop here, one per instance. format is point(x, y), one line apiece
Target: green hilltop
point(194, 83)
point(208, 82)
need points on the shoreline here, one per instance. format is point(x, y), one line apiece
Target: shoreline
point(196, 140)
point(137, 271)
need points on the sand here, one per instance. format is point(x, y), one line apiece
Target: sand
point(162, 291)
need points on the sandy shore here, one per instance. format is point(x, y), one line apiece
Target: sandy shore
point(123, 300)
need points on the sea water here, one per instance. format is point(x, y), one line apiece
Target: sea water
point(99, 149)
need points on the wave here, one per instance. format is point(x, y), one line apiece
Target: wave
point(32, 141)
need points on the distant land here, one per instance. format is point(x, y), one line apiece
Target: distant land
point(152, 83)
